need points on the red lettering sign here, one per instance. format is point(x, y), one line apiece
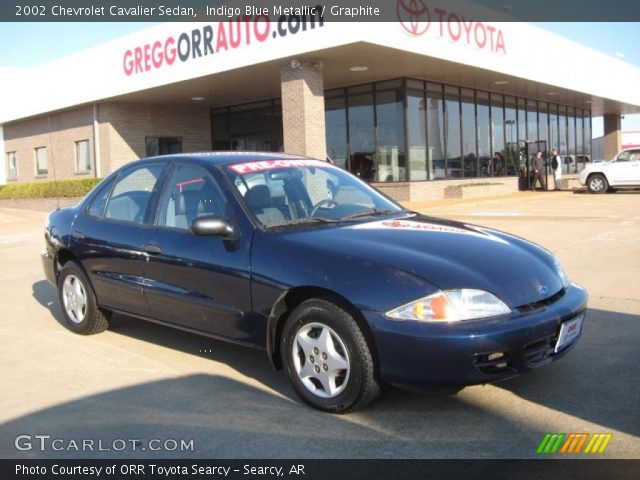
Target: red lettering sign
point(414, 17)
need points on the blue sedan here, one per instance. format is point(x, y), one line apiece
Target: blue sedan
point(342, 287)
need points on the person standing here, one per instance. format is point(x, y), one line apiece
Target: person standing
point(556, 166)
point(537, 171)
point(498, 164)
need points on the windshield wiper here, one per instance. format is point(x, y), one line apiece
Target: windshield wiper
point(368, 212)
point(301, 221)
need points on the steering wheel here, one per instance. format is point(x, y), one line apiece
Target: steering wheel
point(326, 201)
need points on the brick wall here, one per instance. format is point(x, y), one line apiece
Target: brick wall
point(122, 128)
point(303, 125)
point(130, 123)
point(67, 127)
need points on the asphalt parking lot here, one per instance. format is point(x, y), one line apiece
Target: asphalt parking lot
point(143, 381)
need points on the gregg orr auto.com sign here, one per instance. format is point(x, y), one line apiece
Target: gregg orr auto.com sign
point(216, 38)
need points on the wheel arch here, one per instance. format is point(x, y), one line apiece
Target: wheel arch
point(63, 256)
point(591, 174)
point(290, 299)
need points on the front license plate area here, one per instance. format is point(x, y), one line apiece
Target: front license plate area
point(569, 331)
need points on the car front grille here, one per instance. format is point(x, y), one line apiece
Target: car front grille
point(540, 352)
point(542, 303)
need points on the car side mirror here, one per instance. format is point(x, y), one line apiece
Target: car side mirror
point(212, 225)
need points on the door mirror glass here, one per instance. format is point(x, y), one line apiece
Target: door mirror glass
point(212, 225)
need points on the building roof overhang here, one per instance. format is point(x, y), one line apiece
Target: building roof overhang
point(526, 62)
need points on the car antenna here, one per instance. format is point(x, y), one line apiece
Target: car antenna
point(53, 164)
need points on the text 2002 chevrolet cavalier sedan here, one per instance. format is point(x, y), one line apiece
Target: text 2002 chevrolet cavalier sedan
point(342, 287)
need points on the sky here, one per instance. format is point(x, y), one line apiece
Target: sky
point(43, 42)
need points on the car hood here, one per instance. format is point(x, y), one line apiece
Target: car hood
point(446, 254)
point(599, 163)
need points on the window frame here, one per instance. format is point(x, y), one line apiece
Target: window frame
point(14, 155)
point(77, 159)
point(45, 172)
point(159, 139)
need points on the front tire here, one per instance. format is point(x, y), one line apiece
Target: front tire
point(79, 306)
point(597, 183)
point(327, 358)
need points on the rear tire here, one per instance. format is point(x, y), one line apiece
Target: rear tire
point(597, 183)
point(327, 358)
point(78, 302)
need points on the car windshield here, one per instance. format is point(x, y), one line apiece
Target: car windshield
point(294, 192)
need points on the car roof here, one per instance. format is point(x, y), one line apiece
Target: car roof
point(227, 158)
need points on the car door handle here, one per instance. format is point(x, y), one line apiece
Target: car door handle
point(78, 235)
point(152, 249)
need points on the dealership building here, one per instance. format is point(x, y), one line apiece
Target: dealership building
point(422, 108)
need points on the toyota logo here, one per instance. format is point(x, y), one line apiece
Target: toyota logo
point(414, 17)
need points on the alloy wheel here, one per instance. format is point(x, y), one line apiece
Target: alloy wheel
point(321, 360)
point(74, 299)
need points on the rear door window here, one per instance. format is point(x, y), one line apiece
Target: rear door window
point(132, 192)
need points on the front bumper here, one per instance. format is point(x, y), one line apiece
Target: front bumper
point(473, 352)
point(583, 177)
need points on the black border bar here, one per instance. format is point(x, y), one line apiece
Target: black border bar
point(330, 10)
point(327, 469)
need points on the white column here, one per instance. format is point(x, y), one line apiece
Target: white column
point(96, 140)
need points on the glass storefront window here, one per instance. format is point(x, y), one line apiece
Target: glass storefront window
point(522, 120)
point(511, 136)
point(220, 129)
point(562, 131)
point(522, 134)
point(553, 126)
point(361, 132)
point(587, 134)
point(390, 147)
point(469, 157)
point(435, 129)
point(453, 137)
point(484, 136)
point(543, 126)
point(251, 126)
point(571, 134)
point(335, 119)
point(580, 157)
point(532, 121)
point(416, 130)
point(497, 165)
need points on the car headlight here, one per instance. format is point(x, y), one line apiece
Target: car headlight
point(451, 306)
point(561, 273)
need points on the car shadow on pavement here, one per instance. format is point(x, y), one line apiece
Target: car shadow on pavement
point(227, 418)
point(595, 382)
point(598, 380)
point(622, 191)
point(47, 296)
